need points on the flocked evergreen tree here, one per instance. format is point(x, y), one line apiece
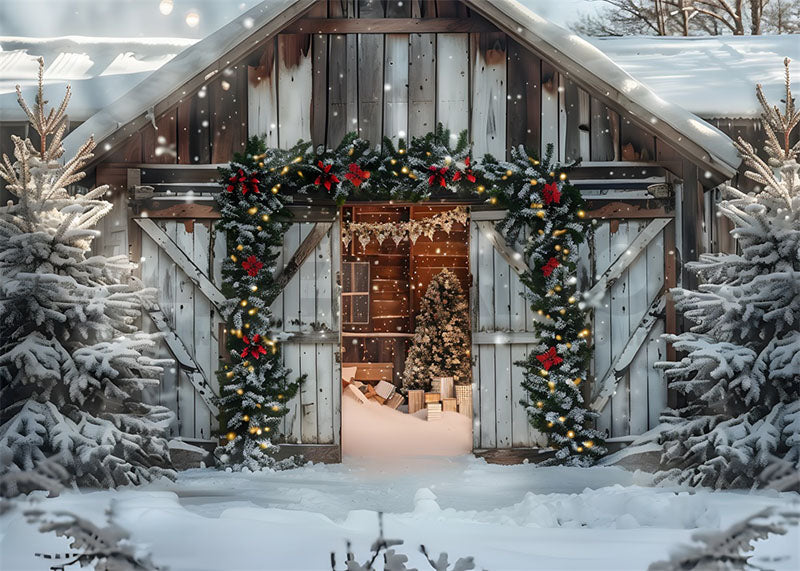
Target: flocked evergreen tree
point(71, 359)
point(441, 345)
point(741, 371)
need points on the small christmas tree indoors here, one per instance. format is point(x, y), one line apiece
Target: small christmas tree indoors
point(741, 371)
point(441, 346)
point(71, 362)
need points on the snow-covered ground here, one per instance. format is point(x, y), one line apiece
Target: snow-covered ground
point(508, 517)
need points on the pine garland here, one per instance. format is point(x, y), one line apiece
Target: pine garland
point(545, 207)
point(261, 182)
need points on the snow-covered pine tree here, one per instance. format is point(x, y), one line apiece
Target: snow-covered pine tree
point(106, 548)
point(71, 361)
point(741, 371)
point(441, 344)
point(728, 549)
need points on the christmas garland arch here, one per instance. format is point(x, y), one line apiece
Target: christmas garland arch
point(545, 214)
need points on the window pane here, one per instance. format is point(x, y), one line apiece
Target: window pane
point(360, 308)
point(361, 277)
point(347, 282)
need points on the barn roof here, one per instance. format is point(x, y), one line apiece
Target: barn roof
point(713, 77)
point(580, 59)
point(100, 70)
point(584, 63)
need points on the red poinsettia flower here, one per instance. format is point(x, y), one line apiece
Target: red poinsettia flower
point(549, 359)
point(438, 175)
point(466, 174)
point(252, 265)
point(551, 193)
point(253, 347)
point(356, 175)
point(548, 268)
point(234, 179)
point(251, 184)
point(326, 178)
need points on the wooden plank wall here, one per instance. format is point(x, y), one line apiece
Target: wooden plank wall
point(113, 239)
point(400, 85)
point(498, 306)
point(190, 315)
point(320, 86)
point(308, 303)
point(641, 395)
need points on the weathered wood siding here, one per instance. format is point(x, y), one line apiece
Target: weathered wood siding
point(308, 305)
point(190, 315)
point(502, 327)
point(640, 394)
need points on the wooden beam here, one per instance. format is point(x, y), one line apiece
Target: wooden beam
point(627, 257)
point(388, 26)
point(185, 361)
point(303, 251)
point(313, 337)
point(511, 256)
point(195, 275)
point(493, 214)
point(605, 389)
point(504, 337)
point(627, 210)
point(312, 213)
point(160, 209)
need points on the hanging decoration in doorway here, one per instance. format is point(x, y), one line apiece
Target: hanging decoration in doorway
point(365, 232)
point(541, 205)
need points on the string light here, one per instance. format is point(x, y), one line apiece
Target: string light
point(543, 207)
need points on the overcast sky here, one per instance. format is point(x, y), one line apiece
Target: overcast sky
point(136, 18)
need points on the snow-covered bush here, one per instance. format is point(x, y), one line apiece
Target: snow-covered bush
point(728, 549)
point(741, 371)
point(395, 561)
point(71, 359)
point(107, 548)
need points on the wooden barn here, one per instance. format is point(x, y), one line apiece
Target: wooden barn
point(317, 69)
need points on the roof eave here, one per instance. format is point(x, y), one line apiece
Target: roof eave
point(505, 14)
point(111, 126)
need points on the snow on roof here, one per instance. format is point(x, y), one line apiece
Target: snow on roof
point(713, 77)
point(572, 51)
point(180, 69)
point(100, 70)
point(563, 43)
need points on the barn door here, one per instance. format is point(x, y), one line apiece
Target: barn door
point(308, 310)
point(182, 260)
point(502, 334)
point(630, 264)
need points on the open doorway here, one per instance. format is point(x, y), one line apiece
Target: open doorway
point(393, 256)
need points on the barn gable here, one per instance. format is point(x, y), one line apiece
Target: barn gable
point(372, 62)
point(316, 70)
